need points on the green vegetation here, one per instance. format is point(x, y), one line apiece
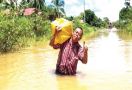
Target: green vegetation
point(17, 30)
point(92, 20)
point(125, 19)
point(20, 31)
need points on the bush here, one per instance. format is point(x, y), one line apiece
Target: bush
point(41, 27)
point(18, 31)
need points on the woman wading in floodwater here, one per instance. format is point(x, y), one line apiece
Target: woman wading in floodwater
point(70, 52)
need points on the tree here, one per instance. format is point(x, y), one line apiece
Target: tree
point(106, 22)
point(50, 13)
point(106, 19)
point(70, 18)
point(58, 6)
point(81, 16)
point(40, 4)
point(127, 3)
point(125, 14)
point(91, 18)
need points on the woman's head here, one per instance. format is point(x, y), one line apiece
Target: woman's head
point(77, 34)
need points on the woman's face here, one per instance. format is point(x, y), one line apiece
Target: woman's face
point(77, 34)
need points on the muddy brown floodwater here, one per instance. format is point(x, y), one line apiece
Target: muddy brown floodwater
point(109, 67)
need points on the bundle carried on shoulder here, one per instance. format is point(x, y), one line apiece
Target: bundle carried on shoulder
point(66, 30)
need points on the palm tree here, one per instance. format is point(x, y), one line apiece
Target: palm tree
point(58, 6)
point(9, 3)
point(40, 4)
point(127, 3)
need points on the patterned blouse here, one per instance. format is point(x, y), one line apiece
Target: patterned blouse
point(68, 57)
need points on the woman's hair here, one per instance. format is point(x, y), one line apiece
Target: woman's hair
point(81, 29)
